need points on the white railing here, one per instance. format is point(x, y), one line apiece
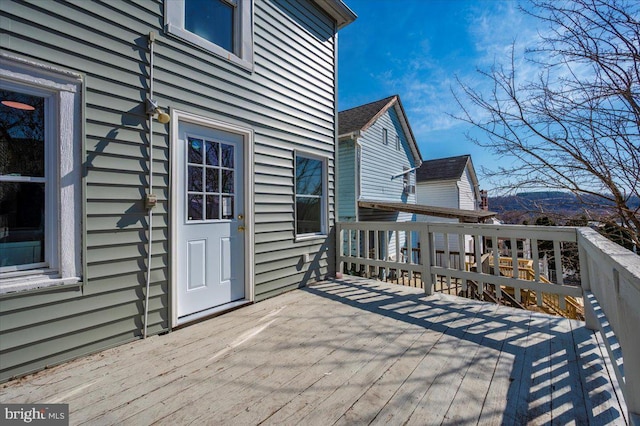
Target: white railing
point(611, 284)
point(509, 260)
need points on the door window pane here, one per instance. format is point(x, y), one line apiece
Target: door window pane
point(213, 182)
point(227, 207)
point(213, 207)
point(195, 179)
point(195, 151)
point(195, 206)
point(227, 181)
point(227, 156)
point(212, 20)
point(212, 153)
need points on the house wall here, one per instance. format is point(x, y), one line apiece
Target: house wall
point(288, 99)
point(380, 162)
point(346, 184)
point(452, 194)
point(467, 193)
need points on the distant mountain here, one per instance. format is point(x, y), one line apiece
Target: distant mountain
point(515, 208)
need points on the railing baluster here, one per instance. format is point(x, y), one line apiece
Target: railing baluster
point(557, 254)
point(376, 249)
point(514, 265)
point(447, 258)
point(536, 269)
point(409, 242)
point(496, 264)
point(478, 261)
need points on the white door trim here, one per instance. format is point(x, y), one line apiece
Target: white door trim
point(248, 135)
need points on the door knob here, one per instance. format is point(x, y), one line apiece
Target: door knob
point(240, 228)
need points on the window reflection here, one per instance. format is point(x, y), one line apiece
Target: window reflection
point(22, 157)
point(308, 176)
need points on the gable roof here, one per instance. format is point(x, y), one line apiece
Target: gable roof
point(362, 117)
point(445, 169)
point(358, 119)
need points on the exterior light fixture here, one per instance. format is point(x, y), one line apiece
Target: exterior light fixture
point(154, 109)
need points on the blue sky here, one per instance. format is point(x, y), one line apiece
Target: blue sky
point(416, 48)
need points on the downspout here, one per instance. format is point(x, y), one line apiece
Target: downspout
point(148, 204)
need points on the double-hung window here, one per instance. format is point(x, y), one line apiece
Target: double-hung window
point(39, 176)
point(222, 27)
point(311, 195)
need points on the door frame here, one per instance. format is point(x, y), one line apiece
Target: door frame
point(247, 134)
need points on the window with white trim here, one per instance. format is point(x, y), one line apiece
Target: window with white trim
point(398, 143)
point(40, 176)
point(385, 137)
point(310, 195)
point(222, 27)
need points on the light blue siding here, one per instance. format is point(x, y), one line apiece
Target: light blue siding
point(346, 183)
point(380, 162)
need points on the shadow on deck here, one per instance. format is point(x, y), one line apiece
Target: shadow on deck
point(350, 351)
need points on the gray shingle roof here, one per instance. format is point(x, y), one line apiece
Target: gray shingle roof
point(354, 119)
point(442, 168)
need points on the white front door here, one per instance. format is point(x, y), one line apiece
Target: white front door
point(210, 219)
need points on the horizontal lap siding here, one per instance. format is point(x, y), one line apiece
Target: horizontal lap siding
point(380, 162)
point(346, 186)
point(294, 55)
point(108, 46)
point(288, 100)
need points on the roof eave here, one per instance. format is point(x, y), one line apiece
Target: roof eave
point(338, 11)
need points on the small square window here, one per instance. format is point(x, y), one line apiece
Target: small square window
point(222, 27)
point(213, 20)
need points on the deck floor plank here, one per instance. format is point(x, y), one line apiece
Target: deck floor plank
point(507, 365)
point(436, 363)
point(365, 409)
point(345, 352)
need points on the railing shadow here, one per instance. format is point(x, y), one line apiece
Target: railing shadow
point(557, 374)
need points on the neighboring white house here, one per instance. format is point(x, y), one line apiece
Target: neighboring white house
point(449, 183)
point(377, 159)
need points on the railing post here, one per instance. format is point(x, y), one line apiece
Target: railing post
point(426, 260)
point(591, 322)
point(340, 251)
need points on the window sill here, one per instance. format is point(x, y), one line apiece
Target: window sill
point(310, 237)
point(18, 284)
point(195, 40)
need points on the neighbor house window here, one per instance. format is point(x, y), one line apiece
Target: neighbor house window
point(219, 26)
point(39, 176)
point(311, 195)
point(385, 137)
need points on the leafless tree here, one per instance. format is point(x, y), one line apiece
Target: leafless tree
point(576, 125)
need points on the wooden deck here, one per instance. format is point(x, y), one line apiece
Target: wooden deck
point(352, 352)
